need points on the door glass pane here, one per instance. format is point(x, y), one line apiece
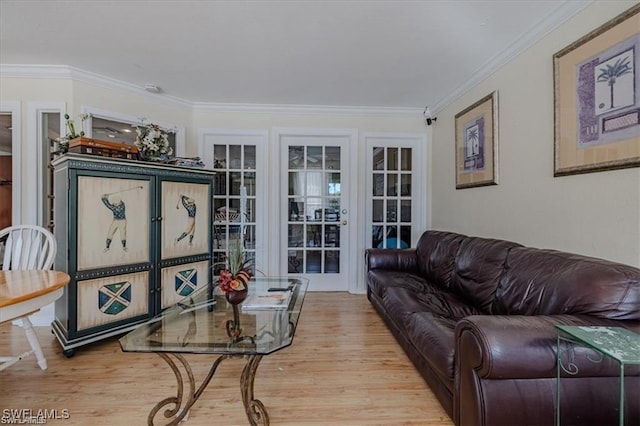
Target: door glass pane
point(295, 261)
point(332, 211)
point(405, 210)
point(235, 156)
point(296, 183)
point(378, 158)
point(235, 180)
point(332, 262)
point(315, 183)
point(392, 211)
point(314, 261)
point(333, 186)
point(392, 158)
point(296, 238)
point(377, 234)
point(250, 183)
point(296, 157)
point(405, 185)
point(219, 156)
point(405, 236)
point(296, 209)
point(392, 184)
point(378, 211)
point(314, 157)
point(378, 184)
point(405, 161)
point(332, 158)
point(249, 157)
point(220, 183)
point(314, 237)
point(332, 236)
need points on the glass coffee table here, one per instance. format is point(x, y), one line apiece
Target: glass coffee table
point(205, 323)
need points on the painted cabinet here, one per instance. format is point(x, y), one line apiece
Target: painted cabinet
point(135, 237)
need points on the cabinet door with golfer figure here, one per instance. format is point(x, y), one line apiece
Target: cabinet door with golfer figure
point(185, 215)
point(113, 221)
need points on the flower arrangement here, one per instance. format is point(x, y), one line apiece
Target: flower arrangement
point(152, 141)
point(63, 142)
point(235, 276)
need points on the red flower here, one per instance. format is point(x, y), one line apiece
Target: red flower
point(228, 283)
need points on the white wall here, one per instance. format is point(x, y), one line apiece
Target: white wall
point(596, 214)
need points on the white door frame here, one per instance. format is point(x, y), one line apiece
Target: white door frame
point(14, 108)
point(35, 156)
point(278, 232)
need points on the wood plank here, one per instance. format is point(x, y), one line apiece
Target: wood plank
point(344, 367)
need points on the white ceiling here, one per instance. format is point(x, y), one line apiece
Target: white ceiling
point(398, 54)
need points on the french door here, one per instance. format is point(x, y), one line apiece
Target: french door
point(394, 191)
point(316, 215)
point(239, 199)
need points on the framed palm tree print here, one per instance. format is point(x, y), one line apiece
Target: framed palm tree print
point(477, 143)
point(597, 99)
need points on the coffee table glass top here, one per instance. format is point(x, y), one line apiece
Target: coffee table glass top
point(198, 323)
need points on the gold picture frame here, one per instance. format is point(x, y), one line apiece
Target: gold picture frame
point(477, 143)
point(596, 99)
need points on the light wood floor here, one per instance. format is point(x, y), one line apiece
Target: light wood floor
point(344, 368)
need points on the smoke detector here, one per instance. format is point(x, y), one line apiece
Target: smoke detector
point(152, 88)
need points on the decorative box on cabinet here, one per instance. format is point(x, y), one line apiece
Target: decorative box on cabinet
point(135, 237)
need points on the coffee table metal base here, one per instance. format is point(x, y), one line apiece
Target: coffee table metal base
point(185, 398)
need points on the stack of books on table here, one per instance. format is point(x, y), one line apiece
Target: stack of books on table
point(187, 161)
point(267, 300)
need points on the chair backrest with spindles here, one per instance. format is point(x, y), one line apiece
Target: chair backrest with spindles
point(28, 247)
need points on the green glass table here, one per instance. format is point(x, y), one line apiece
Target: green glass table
point(205, 323)
point(618, 343)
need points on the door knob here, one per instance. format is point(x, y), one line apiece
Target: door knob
point(344, 222)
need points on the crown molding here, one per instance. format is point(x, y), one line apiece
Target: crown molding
point(76, 74)
point(561, 14)
point(307, 109)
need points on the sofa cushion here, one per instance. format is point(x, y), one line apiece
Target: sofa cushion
point(400, 302)
point(380, 280)
point(548, 282)
point(434, 338)
point(436, 252)
point(477, 269)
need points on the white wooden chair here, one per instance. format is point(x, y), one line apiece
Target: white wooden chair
point(27, 247)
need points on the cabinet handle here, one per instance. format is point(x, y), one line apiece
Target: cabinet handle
point(159, 218)
point(153, 219)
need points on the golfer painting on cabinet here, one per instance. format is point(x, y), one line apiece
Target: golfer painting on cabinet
point(185, 209)
point(113, 221)
point(119, 223)
point(189, 205)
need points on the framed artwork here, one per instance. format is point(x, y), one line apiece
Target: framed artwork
point(596, 100)
point(477, 143)
point(113, 221)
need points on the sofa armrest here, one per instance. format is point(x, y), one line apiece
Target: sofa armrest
point(505, 371)
point(402, 260)
point(523, 347)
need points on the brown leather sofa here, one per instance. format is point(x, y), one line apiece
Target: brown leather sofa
point(477, 318)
